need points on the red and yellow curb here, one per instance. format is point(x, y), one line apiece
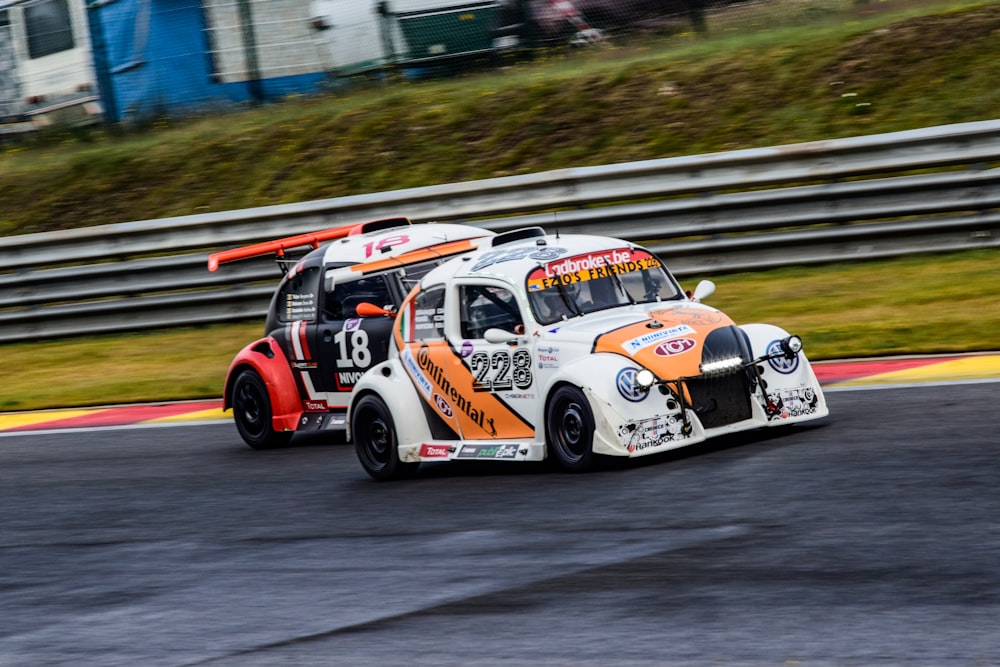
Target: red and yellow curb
point(908, 371)
point(859, 373)
point(121, 415)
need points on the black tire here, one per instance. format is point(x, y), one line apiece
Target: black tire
point(252, 413)
point(375, 441)
point(569, 429)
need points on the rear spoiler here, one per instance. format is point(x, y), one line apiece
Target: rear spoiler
point(313, 239)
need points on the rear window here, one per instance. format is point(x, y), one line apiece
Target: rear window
point(297, 296)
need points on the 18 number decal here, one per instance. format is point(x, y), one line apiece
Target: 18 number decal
point(382, 244)
point(359, 355)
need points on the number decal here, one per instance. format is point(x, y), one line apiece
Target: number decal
point(500, 371)
point(479, 364)
point(522, 369)
point(501, 364)
point(387, 242)
point(359, 356)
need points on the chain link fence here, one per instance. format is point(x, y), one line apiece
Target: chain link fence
point(69, 62)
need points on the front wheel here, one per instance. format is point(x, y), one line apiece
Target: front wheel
point(569, 428)
point(252, 412)
point(375, 440)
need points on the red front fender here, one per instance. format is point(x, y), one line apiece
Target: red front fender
point(266, 357)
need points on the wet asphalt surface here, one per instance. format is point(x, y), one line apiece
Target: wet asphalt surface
point(869, 538)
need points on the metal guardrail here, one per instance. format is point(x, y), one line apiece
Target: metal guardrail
point(926, 190)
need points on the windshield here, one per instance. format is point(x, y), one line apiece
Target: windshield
point(595, 281)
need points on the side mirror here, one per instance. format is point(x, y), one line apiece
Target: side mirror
point(365, 309)
point(705, 289)
point(500, 336)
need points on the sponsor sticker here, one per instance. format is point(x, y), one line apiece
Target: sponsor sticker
point(428, 451)
point(790, 403)
point(548, 361)
point(314, 406)
point(491, 452)
point(591, 266)
point(676, 346)
point(443, 406)
point(508, 396)
point(654, 337)
point(646, 434)
point(548, 357)
point(413, 368)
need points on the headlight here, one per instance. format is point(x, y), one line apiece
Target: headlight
point(791, 346)
point(644, 379)
point(721, 366)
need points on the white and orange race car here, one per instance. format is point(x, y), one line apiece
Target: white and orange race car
point(300, 375)
point(571, 347)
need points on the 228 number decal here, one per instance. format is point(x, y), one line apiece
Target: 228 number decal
point(500, 370)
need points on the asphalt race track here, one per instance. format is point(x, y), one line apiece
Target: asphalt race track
point(872, 538)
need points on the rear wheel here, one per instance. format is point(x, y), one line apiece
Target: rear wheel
point(569, 428)
point(375, 441)
point(252, 413)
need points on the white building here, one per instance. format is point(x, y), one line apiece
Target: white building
point(46, 71)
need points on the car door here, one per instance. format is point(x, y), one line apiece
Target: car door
point(428, 360)
point(497, 378)
point(347, 343)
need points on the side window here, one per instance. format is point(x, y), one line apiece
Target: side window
point(428, 314)
point(488, 307)
point(48, 26)
point(297, 296)
point(415, 272)
point(342, 302)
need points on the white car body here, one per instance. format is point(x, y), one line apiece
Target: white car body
point(522, 385)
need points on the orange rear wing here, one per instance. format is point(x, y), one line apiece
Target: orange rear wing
point(312, 239)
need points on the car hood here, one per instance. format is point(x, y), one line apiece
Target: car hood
point(670, 338)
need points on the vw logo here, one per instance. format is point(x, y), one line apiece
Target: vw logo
point(628, 387)
point(782, 364)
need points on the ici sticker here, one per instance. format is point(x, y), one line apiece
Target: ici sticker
point(443, 405)
point(669, 348)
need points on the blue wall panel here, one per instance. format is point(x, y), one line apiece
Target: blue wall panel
point(159, 64)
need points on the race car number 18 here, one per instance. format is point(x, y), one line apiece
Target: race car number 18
point(358, 356)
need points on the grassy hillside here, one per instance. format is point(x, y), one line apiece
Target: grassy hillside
point(886, 66)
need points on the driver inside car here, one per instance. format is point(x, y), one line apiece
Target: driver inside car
point(552, 307)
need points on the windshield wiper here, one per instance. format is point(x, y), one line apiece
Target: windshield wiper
point(571, 304)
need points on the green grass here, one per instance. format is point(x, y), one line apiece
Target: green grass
point(917, 305)
point(767, 74)
point(764, 76)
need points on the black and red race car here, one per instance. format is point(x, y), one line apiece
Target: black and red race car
point(326, 324)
